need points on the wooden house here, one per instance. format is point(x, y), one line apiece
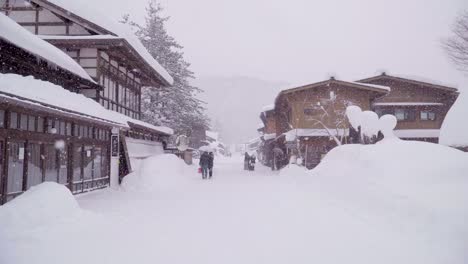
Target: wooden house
point(310, 120)
point(42, 137)
point(268, 135)
point(111, 54)
point(420, 106)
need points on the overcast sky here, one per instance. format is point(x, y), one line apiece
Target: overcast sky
point(301, 41)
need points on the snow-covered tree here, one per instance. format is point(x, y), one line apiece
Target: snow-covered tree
point(175, 106)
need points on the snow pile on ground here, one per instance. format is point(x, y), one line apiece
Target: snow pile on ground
point(158, 173)
point(415, 188)
point(293, 169)
point(40, 205)
point(454, 131)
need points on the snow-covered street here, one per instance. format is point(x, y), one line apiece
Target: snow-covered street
point(237, 217)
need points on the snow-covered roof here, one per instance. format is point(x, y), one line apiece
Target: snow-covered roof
point(90, 37)
point(162, 129)
point(269, 136)
point(312, 132)
point(372, 85)
point(55, 97)
point(15, 34)
point(417, 133)
point(260, 126)
point(100, 19)
point(415, 80)
point(407, 104)
point(267, 108)
point(213, 135)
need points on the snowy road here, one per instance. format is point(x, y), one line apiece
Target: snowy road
point(237, 217)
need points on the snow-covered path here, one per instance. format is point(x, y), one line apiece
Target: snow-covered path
point(237, 217)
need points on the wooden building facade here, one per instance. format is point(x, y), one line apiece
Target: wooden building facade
point(309, 120)
point(45, 142)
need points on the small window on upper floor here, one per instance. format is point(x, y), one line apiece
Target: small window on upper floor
point(427, 116)
point(405, 114)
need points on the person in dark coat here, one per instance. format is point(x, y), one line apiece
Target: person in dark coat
point(246, 161)
point(204, 164)
point(253, 160)
point(211, 164)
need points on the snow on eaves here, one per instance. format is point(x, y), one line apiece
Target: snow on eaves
point(100, 19)
point(293, 134)
point(375, 86)
point(407, 104)
point(55, 96)
point(15, 34)
point(417, 133)
point(213, 135)
point(267, 108)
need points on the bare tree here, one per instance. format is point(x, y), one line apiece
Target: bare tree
point(457, 45)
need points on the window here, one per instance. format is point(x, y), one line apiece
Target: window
point(404, 114)
point(88, 163)
point(63, 165)
point(50, 160)
point(15, 167)
point(428, 116)
point(2, 118)
point(77, 161)
point(97, 163)
point(34, 165)
point(24, 122)
point(31, 123)
point(40, 124)
point(68, 129)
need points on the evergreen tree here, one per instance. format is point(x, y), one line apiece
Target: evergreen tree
point(176, 106)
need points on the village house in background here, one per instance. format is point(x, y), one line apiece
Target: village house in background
point(93, 57)
point(306, 122)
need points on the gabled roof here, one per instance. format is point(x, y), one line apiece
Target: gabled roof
point(365, 86)
point(18, 36)
point(99, 22)
point(412, 80)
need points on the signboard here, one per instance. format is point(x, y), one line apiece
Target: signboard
point(115, 145)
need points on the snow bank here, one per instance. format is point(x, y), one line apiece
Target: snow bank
point(41, 205)
point(429, 176)
point(20, 37)
point(159, 173)
point(454, 131)
point(293, 170)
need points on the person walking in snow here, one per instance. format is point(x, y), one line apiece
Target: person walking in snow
point(252, 162)
point(211, 164)
point(204, 164)
point(246, 161)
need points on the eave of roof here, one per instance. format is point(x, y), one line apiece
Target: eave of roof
point(418, 82)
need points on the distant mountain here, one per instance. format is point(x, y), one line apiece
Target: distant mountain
point(234, 104)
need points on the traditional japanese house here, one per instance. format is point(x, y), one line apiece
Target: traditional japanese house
point(48, 133)
point(419, 106)
point(268, 135)
point(111, 54)
point(311, 120)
